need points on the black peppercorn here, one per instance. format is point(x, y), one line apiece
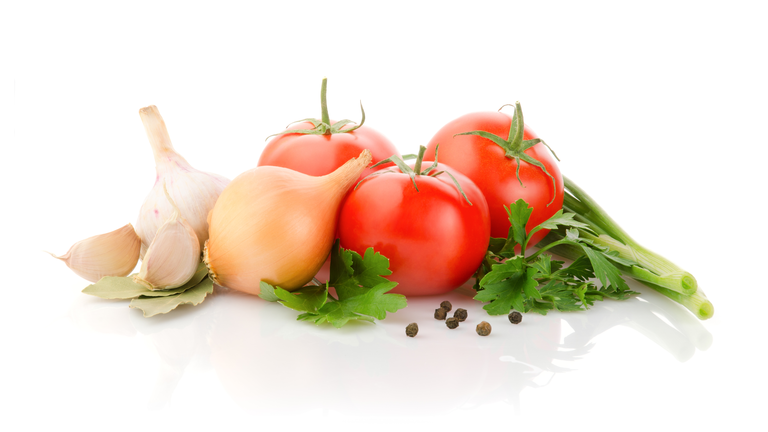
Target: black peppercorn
point(440, 314)
point(460, 314)
point(452, 323)
point(446, 305)
point(412, 329)
point(483, 329)
point(515, 317)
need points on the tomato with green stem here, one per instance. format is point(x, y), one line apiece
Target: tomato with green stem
point(319, 146)
point(507, 161)
point(432, 224)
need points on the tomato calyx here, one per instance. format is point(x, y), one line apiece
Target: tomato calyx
point(515, 146)
point(323, 126)
point(416, 170)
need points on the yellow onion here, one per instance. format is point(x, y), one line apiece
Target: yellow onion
point(276, 225)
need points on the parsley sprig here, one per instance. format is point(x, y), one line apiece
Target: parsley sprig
point(361, 291)
point(536, 283)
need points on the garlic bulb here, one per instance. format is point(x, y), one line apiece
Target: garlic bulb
point(112, 254)
point(276, 225)
point(173, 256)
point(194, 192)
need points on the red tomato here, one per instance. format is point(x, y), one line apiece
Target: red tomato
point(322, 154)
point(484, 162)
point(433, 238)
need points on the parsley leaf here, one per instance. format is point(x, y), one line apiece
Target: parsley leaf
point(580, 269)
point(361, 290)
point(558, 295)
point(374, 303)
point(267, 292)
point(518, 213)
point(604, 270)
point(507, 286)
point(305, 299)
point(358, 273)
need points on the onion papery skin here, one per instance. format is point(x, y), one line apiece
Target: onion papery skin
point(276, 225)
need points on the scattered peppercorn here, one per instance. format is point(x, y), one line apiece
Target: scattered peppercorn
point(460, 314)
point(446, 305)
point(440, 314)
point(515, 317)
point(411, 329)
point(483, 329)
point(452, 322)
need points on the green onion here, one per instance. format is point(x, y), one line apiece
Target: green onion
point(649, 268)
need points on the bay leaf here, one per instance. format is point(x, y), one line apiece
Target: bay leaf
point(200, 274)
point(116, 287)
point(159, 305)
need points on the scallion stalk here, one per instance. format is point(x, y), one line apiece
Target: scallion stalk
point(651, 269)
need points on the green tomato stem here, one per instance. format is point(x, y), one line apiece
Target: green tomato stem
point(419, 159)
point(515, 146)
point(324, 106)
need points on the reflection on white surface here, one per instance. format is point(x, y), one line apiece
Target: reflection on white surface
point(266, 361)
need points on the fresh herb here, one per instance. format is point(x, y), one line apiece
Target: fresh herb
point(361, 291)
point(537, 283)
point(624, 253)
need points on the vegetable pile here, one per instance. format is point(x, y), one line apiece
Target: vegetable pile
point(333, 223)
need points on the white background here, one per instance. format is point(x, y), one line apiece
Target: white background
point(657, 109)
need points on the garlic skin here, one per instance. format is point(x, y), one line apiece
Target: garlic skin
point(276, 225)
point(173, 256)
point(194, 192)
point(112, 254)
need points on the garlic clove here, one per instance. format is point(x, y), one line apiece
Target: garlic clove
point(173, 256)
point(194, 191)
point(112, 254)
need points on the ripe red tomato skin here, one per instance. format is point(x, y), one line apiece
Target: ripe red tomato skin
point(486, 165)
point(318, 155)
point(434, 239)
